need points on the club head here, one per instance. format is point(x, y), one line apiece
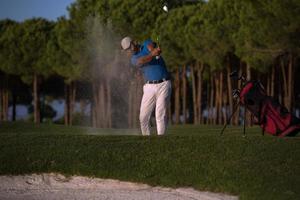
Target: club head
point(234, 75)
point(236, 93)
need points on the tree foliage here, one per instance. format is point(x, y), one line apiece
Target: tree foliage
point(267, 30)
point(33, 44)
point(175, 43)
point(65, 51)
point(10, 40)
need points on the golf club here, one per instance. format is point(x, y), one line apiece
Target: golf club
point(165, 8)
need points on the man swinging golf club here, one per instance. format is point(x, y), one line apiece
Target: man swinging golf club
point(157, 88)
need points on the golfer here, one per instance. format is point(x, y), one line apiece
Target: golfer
point(157, 88)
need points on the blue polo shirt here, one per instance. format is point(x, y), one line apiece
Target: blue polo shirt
point(153, 70)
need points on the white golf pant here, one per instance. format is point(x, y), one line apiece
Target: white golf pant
point(155, 96)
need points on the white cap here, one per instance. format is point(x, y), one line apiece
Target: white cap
point(125, 43)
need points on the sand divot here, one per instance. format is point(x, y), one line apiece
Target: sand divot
point(56, 186)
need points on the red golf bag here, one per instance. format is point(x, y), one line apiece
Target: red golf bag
point(268, 113)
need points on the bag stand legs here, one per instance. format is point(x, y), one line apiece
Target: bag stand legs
point(232, 114)
point(237, 105)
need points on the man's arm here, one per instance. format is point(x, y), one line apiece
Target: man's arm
point(145, 59)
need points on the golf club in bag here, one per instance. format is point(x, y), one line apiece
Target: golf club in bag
point(268, 113)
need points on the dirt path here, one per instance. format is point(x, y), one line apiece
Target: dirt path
point(55, 186)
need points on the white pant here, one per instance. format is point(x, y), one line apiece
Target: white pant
point(158, 96)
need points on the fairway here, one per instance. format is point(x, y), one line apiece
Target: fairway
point(251, 167)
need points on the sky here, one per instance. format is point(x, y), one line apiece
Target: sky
point(20, 10)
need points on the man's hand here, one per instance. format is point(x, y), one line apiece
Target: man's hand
point(155, 52)
point(145, 59)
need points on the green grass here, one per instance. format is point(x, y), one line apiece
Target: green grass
point(252, 167)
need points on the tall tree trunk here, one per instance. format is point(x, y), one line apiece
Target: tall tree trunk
point(72, 98)
point(82, 106)
point(285, 85)
point(184, 93)
point(221, 96)
point(194, 90)
point(106, 104)
point(212, 99)
point(14, 102)
point(290, 83)
point(4, 95)
point(99, 105)
point(199, 96)
point(280, 86)
point(96, 104)
point(208, 91)
point(102, 108)
point(36, 100)
point(138, 93)
point(5, 99)
point(130, 105)
point(229, 87)
point(248, 115)
point(6, 104)
point(109, 107)
point(268, 84)
point(223, 99)
point(217, 118)
point(67, 105)
point(93, 113)
point(177, 97)
point(236, 117)
point(272, 82)
point(1, 99)
point(135, 104)
point(224, 105)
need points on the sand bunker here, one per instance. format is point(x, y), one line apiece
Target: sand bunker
point(55, 186)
